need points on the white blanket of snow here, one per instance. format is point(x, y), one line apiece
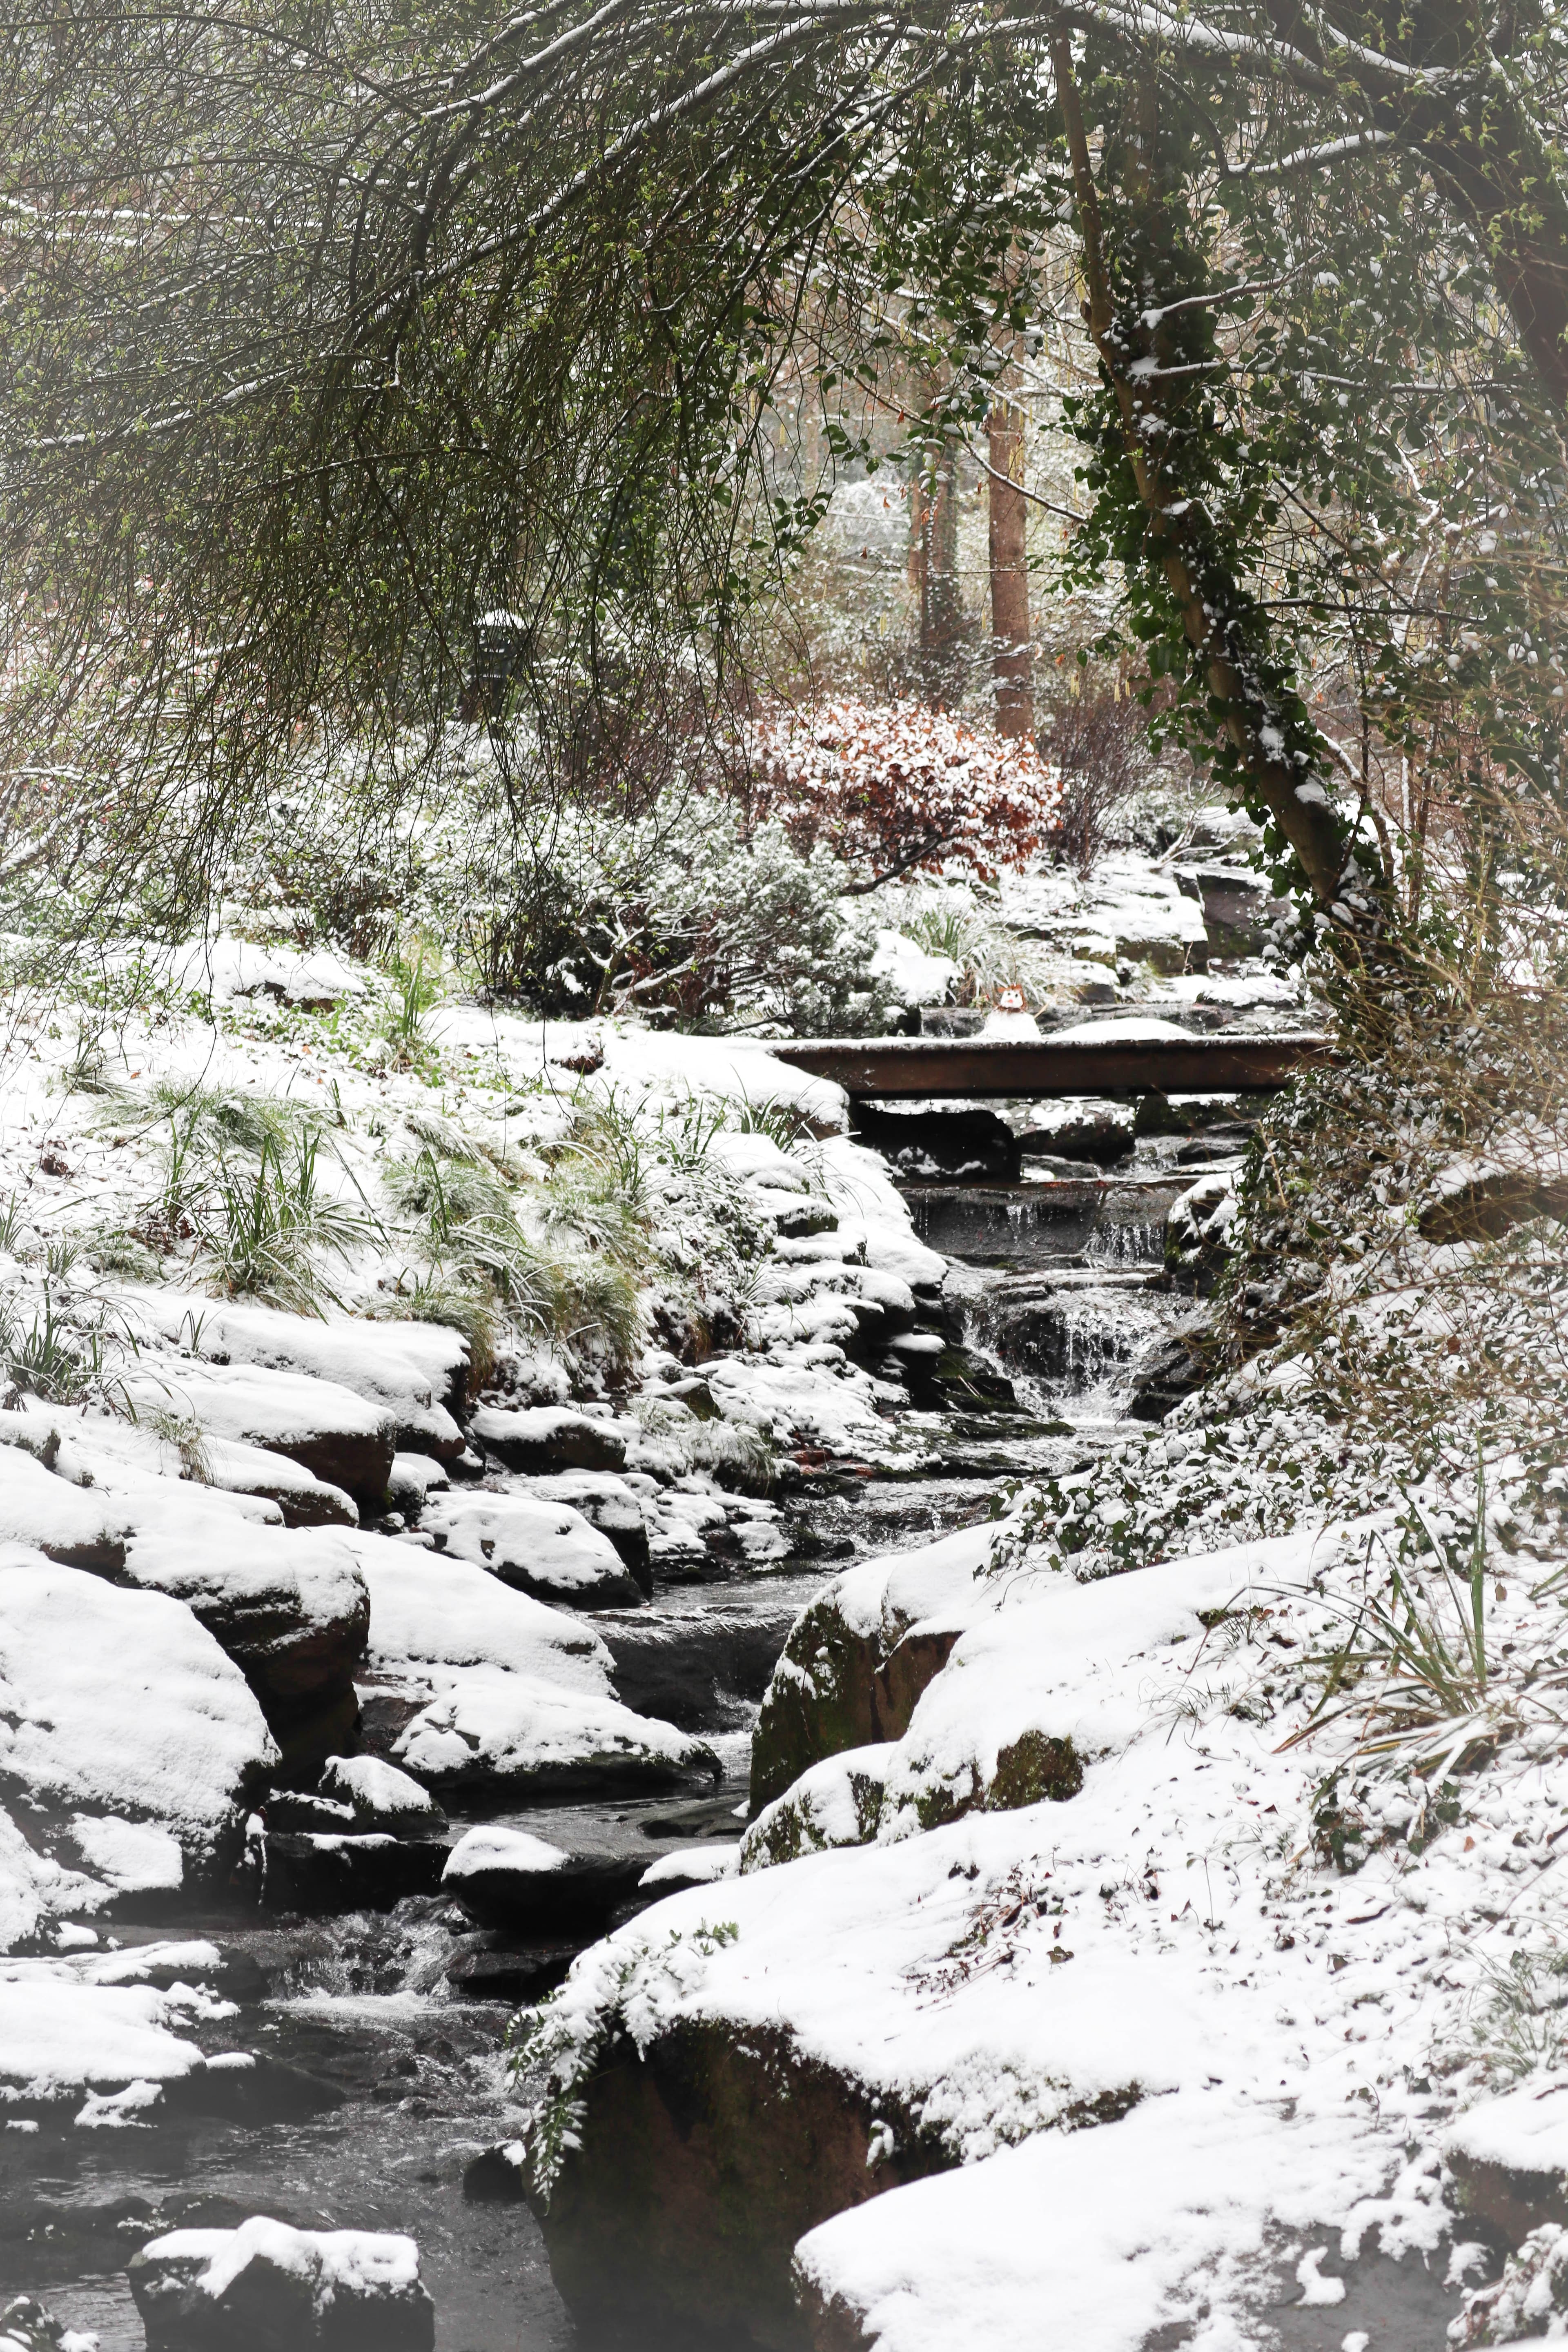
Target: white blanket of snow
point(511, 1686)
point(1126, 1029)
point(214, 1561)
point(494, 1847)
point(253, 1405)
point(58, 2039)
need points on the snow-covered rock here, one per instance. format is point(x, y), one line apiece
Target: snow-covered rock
point(264, 2288)
point(545, 1437)
point(506, 1878)
point(381, 1797)
point(288, 1605)
point(414, 1371)
point(1090, 2053)
point(129, 1745)
point(544, 1548)
point(339, 1436)
point(470, 1684)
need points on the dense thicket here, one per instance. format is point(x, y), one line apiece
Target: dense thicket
point(332, 329)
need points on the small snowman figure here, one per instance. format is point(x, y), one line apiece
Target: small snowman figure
point(1010, 1018)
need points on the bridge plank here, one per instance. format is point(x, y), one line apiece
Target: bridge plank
point(973, 1068)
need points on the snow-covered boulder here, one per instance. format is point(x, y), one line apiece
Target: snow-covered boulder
point(853, 1666)
point(414, 1371)
point(544, 1548)
point(607, 1503)
point(809, 2046)
point(288, 1605)
point(380, 1797)
point(469, 1685)
point(130, 1747)
point(78, 1527)
point(265, 2287)
point(544, 1437)
point(341, 1438)
point(506, 1878)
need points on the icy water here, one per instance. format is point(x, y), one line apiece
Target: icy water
point(1057, 1293)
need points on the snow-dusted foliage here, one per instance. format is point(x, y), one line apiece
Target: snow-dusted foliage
point(896, 787)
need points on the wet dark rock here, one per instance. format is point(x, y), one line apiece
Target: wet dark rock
point(690, 1668)
point(239, 2088)
point(1172, 1370)
point(958, 1146)
point(695, 2169)
point(498, 2176)
point(267, 2288)
point(1490, 1205)
point(501, 1972)
point(505, 1878)
point(313, 1872)
point(1101, 1133)
point(26, 2326)
point(1238, 903)
point(544, 1438)
point(849, 1689)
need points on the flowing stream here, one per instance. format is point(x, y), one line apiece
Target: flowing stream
point(1054, 1283)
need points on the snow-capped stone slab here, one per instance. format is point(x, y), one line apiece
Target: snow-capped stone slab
point(264, 2285)
point(71, 1525)
point(470, 1684)
point(341, 1437)
point(414, 1371)
point(381, 1797)
point(544, 1548)
point(134, 1743)
point(545, 1437)
point(60, 2039)
point(1509, 2157)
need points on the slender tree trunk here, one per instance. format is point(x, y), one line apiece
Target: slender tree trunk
point(934, 569)
point(1216, 610)
point(1012, 665)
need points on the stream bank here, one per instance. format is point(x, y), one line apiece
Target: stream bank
point(394, 2022)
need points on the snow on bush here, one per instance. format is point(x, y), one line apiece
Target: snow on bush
point(896, 788)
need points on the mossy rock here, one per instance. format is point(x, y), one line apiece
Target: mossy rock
point(1031, 1769)
point(821, 1700)
point(695, 2169)
point(835, 1689)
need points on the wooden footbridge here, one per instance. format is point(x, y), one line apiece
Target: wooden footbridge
point(975, 1067)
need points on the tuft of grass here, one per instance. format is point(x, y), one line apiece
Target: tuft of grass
point(416, 990)
point(471, 1308)
point(48, 1358)
point(272, 1222)
point(1411, 1673)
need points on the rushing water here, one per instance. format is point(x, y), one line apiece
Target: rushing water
point(1053, 1283)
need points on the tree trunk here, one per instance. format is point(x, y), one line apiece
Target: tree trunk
point(1224, 628)
point(1012, 665)
point(934, 569)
